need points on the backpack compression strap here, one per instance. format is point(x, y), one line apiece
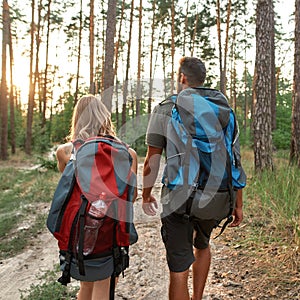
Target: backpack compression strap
point(119, 254)
point(230, 187)
point(186, 164)
point(115, 258)
point(230, 191)
point(81, 235)
point(66, 278)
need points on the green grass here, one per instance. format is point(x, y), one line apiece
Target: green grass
point(272, 202)
point(23, 197)
point(47, 288)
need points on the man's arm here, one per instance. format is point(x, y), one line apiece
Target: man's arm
point(238, 211)
point(150, 171)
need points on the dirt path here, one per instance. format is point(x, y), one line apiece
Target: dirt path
point(19, 272)
point(233, 274)
point(147, 277)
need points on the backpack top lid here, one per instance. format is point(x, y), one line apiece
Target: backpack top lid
point(103, 164)
point(197, 104)
point(205, 113)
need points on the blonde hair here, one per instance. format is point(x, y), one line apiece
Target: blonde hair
point(90, 118)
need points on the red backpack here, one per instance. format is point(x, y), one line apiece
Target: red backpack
point(99, 165)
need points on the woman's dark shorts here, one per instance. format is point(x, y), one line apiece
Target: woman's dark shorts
point(178, 236)
point(95, 269)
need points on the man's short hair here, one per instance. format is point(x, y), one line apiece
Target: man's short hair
point(194, 69)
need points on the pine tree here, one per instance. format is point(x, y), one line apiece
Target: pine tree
point(3, 87)
point(262, 126)
point(295, 139)
point(108, 79)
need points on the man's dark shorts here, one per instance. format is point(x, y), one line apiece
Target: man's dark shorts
point(178, 237)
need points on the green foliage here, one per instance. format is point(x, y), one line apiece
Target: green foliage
point(273, 200)
point(48, 163)
point(282, 134)
point(48, 288)
point(41, 136)
point(61, 121)
point(245, 137)
point(20, 128)
point(133, 132)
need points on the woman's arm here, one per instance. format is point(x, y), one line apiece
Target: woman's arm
point(134, 168)
point(63, 155)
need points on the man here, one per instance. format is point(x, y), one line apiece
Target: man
point(186, 242)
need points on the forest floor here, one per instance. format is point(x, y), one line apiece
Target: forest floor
point(239, 270)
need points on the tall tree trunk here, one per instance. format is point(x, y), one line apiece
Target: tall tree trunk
point(194, 34)
point(262, 126)
point(273, 70)
point(233, 98)
point(164, 46)
point(92, 38)
point(3, 91)
point(117, 61)
point(125, 86)
point(44, 98)
point(245, 96)
point(11, 94)
point(103, 50)
point(139, 66)
point(246, 111)
point(172, 44)
point(151, 59)
point(224, 76)
point(37, 79)
point(79, 54)
point(295, 139)
point(28, 140)
point(108, 80)
point(223, 64)
point(220, 44)
point(185, 27)
point(233, 73)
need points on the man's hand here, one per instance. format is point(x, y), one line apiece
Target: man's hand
point(150, 206)
point(150, 171)
point(238, 211)
point(238, 217)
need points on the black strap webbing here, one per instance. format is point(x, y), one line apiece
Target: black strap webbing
point(230, 191)
point(66, 277)
point(81, 235)
point(116, 253)
point(186, 164)
point(112, 287)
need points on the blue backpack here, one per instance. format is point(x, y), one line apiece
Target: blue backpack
point(202, 155)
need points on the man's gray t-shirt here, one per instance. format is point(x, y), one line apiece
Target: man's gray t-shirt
point(157, 127)
point(156, 133)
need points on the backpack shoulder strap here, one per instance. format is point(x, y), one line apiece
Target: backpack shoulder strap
point(169, 100)
point(77, 143)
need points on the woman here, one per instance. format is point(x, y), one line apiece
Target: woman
point(91, 118)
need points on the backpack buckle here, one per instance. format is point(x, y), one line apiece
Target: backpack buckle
point(195, 186)
point(186, 217)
